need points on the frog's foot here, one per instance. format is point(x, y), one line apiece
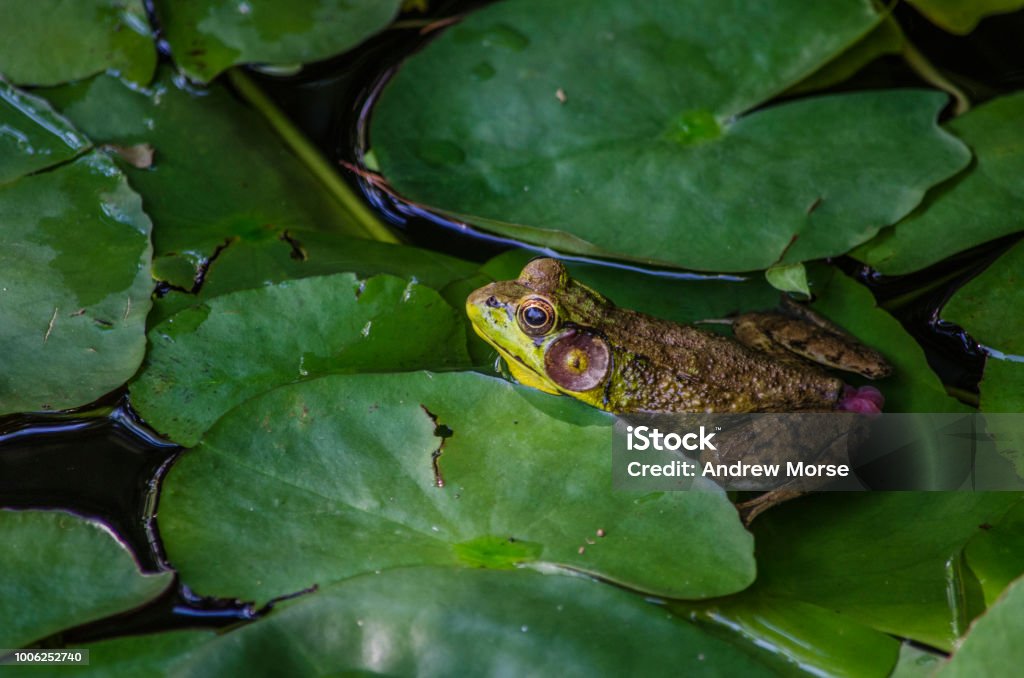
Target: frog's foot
point(758, 505)
point(863, 400)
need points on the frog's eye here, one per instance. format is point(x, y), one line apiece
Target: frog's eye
point(536, 316)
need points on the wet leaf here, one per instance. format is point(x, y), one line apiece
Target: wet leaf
point(75, 285)
point(993, 647)
point(208, 358)
point(651, 156)
point(61, 571)
point(818, 640)
point(961, 16)
point(32, 135)
point(980, 306)
point(219, 174)
point(341, 469)
point(883, 559)
point(302, 254)
point(996, 554)
point(432, 621)
point(983, 203)
point(47, 42)
point(915, 662)
point(209, 36)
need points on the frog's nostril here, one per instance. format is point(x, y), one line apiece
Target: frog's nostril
point(492, 302)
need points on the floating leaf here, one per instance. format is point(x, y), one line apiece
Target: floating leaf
point(884, 559)
point(915, 662)
point(75, 285)
point(153, 655)
point(209, 36)
point(208, 358)
point(302, 254)
point(886, 38)
point(342, 470)
point(59, 571)
point(431, 621)
point(645, 158)
point(961, 16)
point(47, 42)
point(982, 204)
point(789, 278)
point(813, 638)
point(219, 174)
point(32, 136)
point(993, 647)
point(996, 554)
point(980, 306)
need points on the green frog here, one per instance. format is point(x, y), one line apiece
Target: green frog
point(560, 336)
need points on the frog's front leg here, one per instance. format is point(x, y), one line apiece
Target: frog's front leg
point(796, 330)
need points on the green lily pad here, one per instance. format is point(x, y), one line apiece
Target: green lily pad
point(815, 639)
point(980, 306)
point(48, 42)
point(75, 254)
point(982, 204)
point(432, 621)
point(913, 386)
point(993, 647)
point(61, 571)
point(883, 559)
point(32, 136)
point(208, 358)
point(209, 36)
point(219, 173)
point(915, 662)
point(303, 254)
point(886, 38)
point(152, 655)
point(342, 470)
point(602, 128)
point(996, 554)
point(961, 16)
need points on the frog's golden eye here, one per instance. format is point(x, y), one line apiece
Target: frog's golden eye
point(536, 316)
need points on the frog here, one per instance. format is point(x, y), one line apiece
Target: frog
point(562, 337)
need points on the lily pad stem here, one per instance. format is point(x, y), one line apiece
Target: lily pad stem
point(924, 68)
point(311, 157)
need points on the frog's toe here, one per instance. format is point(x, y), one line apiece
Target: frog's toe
point(864, 400)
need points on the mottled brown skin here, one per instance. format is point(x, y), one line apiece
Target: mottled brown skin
point(656, 365)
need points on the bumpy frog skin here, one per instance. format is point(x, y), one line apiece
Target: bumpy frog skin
point(560, 336)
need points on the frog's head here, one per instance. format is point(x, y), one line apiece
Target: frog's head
point(544, 325)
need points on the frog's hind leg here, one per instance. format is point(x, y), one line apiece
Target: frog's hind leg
point(797, 330)
point(754, 507)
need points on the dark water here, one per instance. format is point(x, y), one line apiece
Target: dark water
point(101, 462)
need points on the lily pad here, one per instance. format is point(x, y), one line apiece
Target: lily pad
point(982, 204)
point(886, 38)
point(980, 306)
point(884, 559)
point(208, 358)
point(346, 470)
point(32, 135)
point(219, 173)
point(152, 655)
point(61, 571)
point(996, 554)
point(75, 255)
point(604, 128)
point(961, 16)
point(47, 42)
point(432, 621)
point(209, 36)
point(817, 640)
point(915, 662)
point(303, 254)
point(993, 647)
